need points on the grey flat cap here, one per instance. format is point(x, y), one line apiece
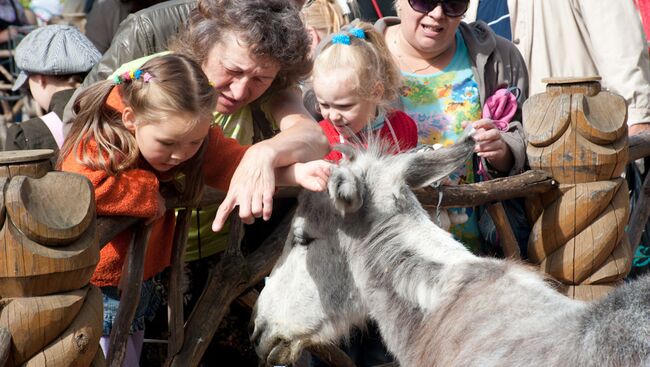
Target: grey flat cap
point(54, 50)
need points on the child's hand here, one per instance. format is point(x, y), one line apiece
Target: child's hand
point(161, 210)
point(312, 175)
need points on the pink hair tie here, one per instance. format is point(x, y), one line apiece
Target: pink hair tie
point(147, 77)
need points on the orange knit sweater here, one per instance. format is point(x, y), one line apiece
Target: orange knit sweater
point(134, 193)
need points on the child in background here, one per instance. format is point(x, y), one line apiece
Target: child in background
point(53, 61)
point(355, 82)
point(141, 129)
point(321, 18)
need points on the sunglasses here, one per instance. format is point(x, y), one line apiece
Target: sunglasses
point(451, 8)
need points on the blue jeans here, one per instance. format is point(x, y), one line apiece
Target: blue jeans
point(150, 299)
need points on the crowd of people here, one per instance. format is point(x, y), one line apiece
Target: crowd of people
point(247, 95)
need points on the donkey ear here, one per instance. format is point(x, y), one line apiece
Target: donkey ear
point(345, 190)
point(425, 168)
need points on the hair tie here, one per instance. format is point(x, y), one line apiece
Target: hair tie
point(358, 32)
point(147, 77)
point(341, 38)
point(128, 76)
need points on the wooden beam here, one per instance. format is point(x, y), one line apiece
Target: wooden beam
point(507, 237)
point(529, 183)
point(130, 284)
point(639, 216)
point(331, 355)
point(175, 296)
point(639, 146)
point(228, 279)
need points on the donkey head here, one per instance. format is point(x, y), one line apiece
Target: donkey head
point(312, 297)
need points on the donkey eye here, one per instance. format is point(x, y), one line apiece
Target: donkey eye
point(302, 240)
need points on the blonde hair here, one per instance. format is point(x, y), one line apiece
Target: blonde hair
point(178, 86)
point(367, 61)
point(324, 15)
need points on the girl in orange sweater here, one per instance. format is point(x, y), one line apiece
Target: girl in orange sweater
point(143, 128)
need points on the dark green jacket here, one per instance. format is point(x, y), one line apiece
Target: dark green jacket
point(143, 33)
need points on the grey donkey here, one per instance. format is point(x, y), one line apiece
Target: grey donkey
point(368, 249)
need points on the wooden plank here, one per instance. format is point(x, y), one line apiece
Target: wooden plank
point(507, 237)
point(331, 356)
point(130, 284)
point(529, 183)
point(526, 184)
point(229, 278)
point(639, 146)
point(175, 312)
point(639, 216)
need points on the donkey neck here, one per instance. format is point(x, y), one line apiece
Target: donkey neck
point(400, 269)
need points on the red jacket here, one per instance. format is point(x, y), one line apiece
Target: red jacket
point(405, 129)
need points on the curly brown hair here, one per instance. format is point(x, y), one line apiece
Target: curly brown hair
point(272, 28)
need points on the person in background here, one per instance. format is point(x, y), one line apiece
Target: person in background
point(53, 61)
point(12, 13)
point(105, 17)
point(322, 18)
point(450, 70)
point(578, 38)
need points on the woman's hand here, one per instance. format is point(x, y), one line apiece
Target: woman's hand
point(252, 188)
point(312, 175)
point(491, 146)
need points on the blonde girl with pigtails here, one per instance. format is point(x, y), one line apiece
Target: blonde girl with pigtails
point(356, 83)
point(142, 129)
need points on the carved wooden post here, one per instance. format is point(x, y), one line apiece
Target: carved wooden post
point(578, 134)
point(48, 253)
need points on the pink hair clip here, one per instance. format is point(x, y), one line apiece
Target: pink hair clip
point(147, 77)
point(126, 76)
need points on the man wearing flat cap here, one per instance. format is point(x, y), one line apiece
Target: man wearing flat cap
point(53, 61)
